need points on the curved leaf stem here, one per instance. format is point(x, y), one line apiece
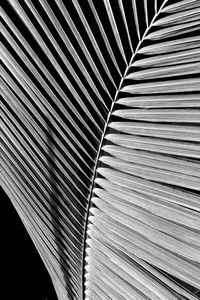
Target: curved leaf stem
point(102, 140)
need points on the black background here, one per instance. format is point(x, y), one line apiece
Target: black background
point(24, 274)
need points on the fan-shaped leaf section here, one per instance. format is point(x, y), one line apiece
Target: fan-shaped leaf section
point(144, 224)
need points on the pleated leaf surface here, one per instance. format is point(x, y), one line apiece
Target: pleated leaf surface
point(101, 142)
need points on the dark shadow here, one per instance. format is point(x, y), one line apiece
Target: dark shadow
point(189, 288)
point(24, 270)
point(55, 204)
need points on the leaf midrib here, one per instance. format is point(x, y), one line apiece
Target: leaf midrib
point(104, 133)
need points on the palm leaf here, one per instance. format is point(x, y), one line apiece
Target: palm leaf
point(100, 143)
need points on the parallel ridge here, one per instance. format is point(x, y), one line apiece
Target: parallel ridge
point(62, 64)
point(144, 225)
point(55, 102)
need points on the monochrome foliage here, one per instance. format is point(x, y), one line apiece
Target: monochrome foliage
point(101, 142)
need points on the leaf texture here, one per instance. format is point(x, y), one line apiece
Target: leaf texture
point(101, 142)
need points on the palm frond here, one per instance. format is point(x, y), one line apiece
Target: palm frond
point(100, 143)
